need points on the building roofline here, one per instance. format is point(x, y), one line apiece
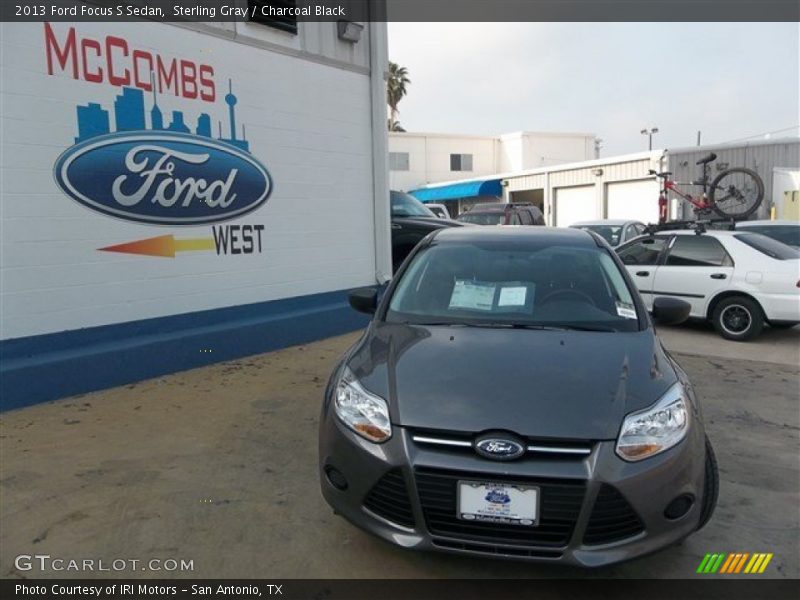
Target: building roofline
point(583, 164)
point(491, 137)
point(739, 144)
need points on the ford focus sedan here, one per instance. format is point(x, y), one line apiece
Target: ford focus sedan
point(510, 398)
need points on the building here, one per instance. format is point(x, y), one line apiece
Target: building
point(419, 159)
point(185, 201)
point(620, 187)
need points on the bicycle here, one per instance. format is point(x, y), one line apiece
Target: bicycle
point(733, 194)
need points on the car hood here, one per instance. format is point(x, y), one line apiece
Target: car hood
point(544, 384)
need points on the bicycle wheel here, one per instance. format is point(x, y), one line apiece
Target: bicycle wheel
point(736, 193)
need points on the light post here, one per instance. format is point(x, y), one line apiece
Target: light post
point(649, 133)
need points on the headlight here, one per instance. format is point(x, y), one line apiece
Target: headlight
point(648, 432)
point(363, 412)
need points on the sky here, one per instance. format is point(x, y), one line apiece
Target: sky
point(728, 80)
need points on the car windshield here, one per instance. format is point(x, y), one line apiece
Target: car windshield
point(514, 285)
point(767, 245)
point(486, 218)
point(610, 233)
point(788, 234)
point(404, 205)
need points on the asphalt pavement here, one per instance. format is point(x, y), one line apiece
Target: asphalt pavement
point(218, 466)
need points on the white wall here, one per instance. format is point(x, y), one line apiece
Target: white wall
point(308, 120)
point(429, 154)
point(429, 158)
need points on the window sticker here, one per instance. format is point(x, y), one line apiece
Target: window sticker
point(473, 295)
point(625, 310)
point(512, 296)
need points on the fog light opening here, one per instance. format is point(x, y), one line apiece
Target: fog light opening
point(336, 478)
point(679, 507)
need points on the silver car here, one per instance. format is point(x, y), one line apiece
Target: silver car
point(615, 231)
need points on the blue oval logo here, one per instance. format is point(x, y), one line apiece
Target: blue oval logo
point(499, 448)
point(163, 178)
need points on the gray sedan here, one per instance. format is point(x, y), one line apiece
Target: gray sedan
point(615, 231)
point(510, 398)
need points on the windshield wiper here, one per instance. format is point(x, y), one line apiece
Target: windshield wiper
point(589, 328)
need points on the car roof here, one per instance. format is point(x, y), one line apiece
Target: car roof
point(746, 224)
point(712, 232)
point(561, 236)
point(489, 207)
point(605, 222)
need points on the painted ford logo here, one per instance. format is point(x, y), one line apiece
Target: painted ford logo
point(163, 178)
point(498, 448)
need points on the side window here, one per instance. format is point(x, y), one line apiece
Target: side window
point(643, 252)
point(272, 14)
point(525, 217)
point(639, 228)
point(698, 251)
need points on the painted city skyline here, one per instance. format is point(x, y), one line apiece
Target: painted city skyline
point(130, 115)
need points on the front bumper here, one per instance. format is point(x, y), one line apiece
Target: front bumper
point(595, 510)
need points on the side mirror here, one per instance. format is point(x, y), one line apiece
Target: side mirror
point(364, 300)
point(670, 311)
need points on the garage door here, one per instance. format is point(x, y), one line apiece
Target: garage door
point(575, 204)
point(633, 200)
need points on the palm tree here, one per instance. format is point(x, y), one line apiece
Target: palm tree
point(395, 90)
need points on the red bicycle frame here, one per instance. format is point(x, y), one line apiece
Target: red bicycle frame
point(700, 203)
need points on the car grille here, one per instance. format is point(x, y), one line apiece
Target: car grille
point(496, 550)
point(560, 504)
point(460, 442)
point(612, 518)
point(389, 499)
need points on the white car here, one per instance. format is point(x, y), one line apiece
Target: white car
point(736, 279)
point(440, 210)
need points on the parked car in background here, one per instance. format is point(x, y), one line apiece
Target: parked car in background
point(787, 232)
point(502, 213)
point(738, 280)
point(411, 221)
point(614, 231)
point(561, 429)
point(440, 210)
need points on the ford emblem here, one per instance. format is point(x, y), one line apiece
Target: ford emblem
point(163, 178)
point(499, 448)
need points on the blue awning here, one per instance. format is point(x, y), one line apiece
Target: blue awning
point(467, 189)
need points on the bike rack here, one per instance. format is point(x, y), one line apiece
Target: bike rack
point(699, 226)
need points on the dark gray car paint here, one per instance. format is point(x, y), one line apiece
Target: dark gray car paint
point(544, 384)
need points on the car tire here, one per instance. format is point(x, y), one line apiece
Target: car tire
point(710, 487)
point(738, 318)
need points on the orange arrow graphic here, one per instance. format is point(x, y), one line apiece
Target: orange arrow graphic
point(163, 245)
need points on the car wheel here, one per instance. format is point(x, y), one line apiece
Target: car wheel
point(711, 486)
point(738, 318)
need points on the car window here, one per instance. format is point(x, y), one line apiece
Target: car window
point(525, 217)
point(514, 220)
point(642, 252)
point(404, 205)
point(788, 234)
point(766, 245)
point(492, 218)
point(514, 284)
point(698, 251)
point(610, 233)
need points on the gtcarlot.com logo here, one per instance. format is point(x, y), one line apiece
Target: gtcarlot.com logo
point(45, 562)
point(735, 563)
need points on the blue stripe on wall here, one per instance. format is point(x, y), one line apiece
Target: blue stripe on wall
point(45, 367)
